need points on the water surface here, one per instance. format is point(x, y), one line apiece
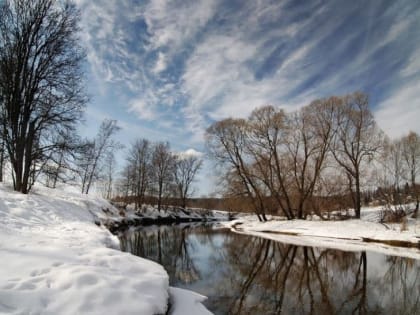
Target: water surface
point(243, 274)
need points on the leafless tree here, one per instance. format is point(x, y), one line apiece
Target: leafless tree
point(227, 144)
point(61, 164)
point(41, 81)
point(97, 151)
point(162, 168)
point(411, 157)
point(274, 155)
point(267, 135)
point(185, 170)
point(290, 150)
point(391, 173)
point(126, 180)
point(140, 161)
point(357, 140)
point(109, 174)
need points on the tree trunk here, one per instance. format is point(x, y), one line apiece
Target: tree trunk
point(264, 217)
point(357, 205)
point(17, 163)
point(1, 160)
point(60, 161)
point(160, 196)
point(28, 159)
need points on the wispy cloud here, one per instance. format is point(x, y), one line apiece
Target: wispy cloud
point(182, 64)
point(160, 63)
point(400, 112)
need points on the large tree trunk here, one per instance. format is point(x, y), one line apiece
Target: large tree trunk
point(28, 160)
point(1, 160)
point(17, 166)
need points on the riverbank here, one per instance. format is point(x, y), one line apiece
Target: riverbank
point(128, 216)
point(57, 258)
point(367, 233)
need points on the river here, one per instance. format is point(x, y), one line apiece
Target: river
point(243, 274)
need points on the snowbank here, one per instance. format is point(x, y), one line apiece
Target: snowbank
point(55, 260)
point(351, 235)
point(149, 215)
point(187, 302)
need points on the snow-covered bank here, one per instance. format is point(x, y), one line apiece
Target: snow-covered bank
point(350, 235)
point(149, 215)
point(187, 302)
point(55, 260)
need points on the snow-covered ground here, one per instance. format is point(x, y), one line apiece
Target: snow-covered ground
point(55, 260)
point(352, 235)
point(147, 215)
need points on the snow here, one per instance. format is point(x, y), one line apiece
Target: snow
point(148, 215)
point(351, 235)
point(151, 212)
point(55, 260)
point(187, 302)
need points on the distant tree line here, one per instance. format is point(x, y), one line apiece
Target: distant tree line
point(155, 174)
point(287, 161)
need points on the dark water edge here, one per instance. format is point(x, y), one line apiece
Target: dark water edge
point(168, 217)
point(244, 274)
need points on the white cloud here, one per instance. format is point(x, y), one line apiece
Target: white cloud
point(413, 65)
point(172, 23)
point(160, 63)
point(219, 79)
point(190, 152)
point(220, 83)
point(143, 109)
point(400, 113)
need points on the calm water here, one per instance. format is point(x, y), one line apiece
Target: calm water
point(249, 275)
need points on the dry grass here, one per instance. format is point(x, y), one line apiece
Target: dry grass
point(392, 216)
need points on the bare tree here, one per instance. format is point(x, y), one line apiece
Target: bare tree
point(162, 168)
point(140, 160)
point(289, 152)
point(126, 180)
point(186, 167)
point(310, 133)
point(40, 80)
point(285, 157)
point(411, 157)
point(61, 165)
point(357, 140)
point(109, 174)
point(227, 142)
point(97, 151)
point(390, 179)
point(268, 131)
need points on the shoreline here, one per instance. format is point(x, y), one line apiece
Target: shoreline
point(348, 235)
point(57, 260)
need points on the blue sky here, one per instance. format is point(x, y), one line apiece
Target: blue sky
point(167, 69)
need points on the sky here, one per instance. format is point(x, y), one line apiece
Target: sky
point(166, 70)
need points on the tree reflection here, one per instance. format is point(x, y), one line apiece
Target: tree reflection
point(251, 275)
point(404, 275)
point(168, 246)
point(273, 278)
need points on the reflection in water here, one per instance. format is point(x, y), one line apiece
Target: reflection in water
point(249, 275)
